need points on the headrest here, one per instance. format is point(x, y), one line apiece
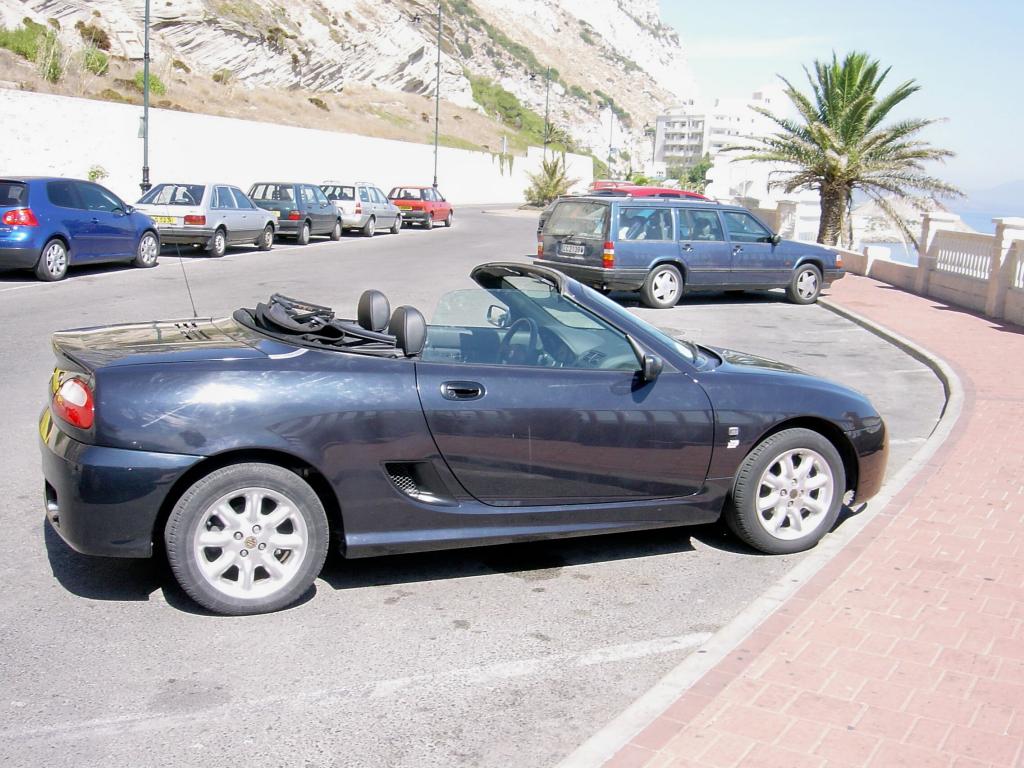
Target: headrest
point(409, 329)
point(373, 311)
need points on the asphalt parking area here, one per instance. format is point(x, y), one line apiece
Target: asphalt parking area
point(487, 657)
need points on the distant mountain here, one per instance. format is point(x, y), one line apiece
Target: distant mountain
point(1002, 200)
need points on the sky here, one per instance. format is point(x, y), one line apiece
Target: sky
point(968, 58)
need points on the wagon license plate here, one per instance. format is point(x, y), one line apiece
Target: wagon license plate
point(165, 219)
point(571, 250)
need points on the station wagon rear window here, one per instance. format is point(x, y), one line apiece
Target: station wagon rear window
point(578, 217)
point(174, 194)
point(337, 192)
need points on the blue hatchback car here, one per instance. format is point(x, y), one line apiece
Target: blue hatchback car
point(48, 224)
point(666, 248)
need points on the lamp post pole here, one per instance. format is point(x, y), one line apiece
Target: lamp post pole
point(145, 185)
point(437, 92)
point(611, 134)
point(547, 102)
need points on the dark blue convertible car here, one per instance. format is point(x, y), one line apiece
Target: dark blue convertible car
point(531, 407)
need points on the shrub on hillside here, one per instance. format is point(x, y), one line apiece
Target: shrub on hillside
point(95, 61)
point(93, 35)
point(37, 43)
point(156, 85)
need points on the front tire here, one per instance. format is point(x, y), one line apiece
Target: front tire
point(369, 228)
point(247, 538)
point(662, 288)
point(787, 493)
point(266, 240)
point(53, 261)
point(397, 226)
point(219, 243)
point(805, 285)
point(148, 252)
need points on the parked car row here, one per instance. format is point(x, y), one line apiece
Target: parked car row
point(49, 224)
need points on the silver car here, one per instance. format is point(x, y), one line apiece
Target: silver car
point(210, 216)
point(363, 206)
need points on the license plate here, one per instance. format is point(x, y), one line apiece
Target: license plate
point(164, 219)
point(405, 207)
point(568, 249)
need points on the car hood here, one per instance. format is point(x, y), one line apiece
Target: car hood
point(753, 363)
point(164, 341)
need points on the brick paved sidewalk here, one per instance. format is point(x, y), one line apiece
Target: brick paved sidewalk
point(907, 649)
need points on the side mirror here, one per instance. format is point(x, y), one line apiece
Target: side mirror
point(776, 239)
point(497, 316)
point(650, 365)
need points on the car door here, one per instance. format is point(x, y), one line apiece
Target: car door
point(71, 214)
point(644, 236)
point(110, 228)
point(227, 212)
point(366, 207)
point(703, 247)
point(320, 209)
point(756, 261)
point(251, 217)
point(443, 206)
point(387, 213)
point(530, 433)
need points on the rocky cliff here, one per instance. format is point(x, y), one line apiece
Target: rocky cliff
point(607, 60)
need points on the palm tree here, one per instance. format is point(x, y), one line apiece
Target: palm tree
point(839, 144)
point(551, 181)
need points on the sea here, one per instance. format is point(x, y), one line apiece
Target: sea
point(905, 253)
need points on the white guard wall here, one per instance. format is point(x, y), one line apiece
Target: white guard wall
point(44, 135)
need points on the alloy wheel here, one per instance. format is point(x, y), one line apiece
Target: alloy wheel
point(795, 494)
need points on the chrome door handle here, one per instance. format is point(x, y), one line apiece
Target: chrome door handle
point(737, 249)
point(687, 248)
point(462, 390)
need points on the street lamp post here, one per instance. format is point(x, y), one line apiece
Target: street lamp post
point(547, 107)
point(611, 134)
point(437, 92)
point(651, 131)
point(145, 185)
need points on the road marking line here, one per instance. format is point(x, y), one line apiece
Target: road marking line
point(485, 674)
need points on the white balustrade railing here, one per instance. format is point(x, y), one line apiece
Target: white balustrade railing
point(963, 253)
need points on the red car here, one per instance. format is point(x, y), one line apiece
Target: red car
point(605, 187)
point(422, 205)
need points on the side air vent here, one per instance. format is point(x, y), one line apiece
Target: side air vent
point(418, 480)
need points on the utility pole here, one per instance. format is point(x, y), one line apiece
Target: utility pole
point(145, 185)
point(437, 92)
point(611, 134)
point(547, 102)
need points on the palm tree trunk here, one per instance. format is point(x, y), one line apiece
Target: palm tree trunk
point(833, 206)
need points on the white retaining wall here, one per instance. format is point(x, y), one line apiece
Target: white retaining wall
point(42, 134)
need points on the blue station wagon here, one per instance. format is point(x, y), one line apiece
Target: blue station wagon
point(665, 248)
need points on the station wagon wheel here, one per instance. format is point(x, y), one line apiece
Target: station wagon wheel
point(219, 243)
point(369, 227)
point(787, 493)
point(397, 226)
point(805, 285)
point(336, 232)
point(302, 238)
point(266, 241)
point(663, 287)
point(53, 261)
point(247, 538)
point(147, 252)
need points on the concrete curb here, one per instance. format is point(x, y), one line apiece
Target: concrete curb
point(600, 747)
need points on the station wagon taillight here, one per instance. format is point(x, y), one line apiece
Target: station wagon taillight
point(359, 208)
point(21, 217)
point(608, 257)
point(197, 221)
point(73, 403)
point(294, 215)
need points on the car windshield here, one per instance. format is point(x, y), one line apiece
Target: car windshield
point(174, 194)
point(685, 348)
point(406, 193)
point(583, 218)
point(338, 192)
point(272, 192)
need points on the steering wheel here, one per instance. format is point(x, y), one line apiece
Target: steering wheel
point(515, 354)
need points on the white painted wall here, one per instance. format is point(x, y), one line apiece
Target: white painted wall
point(42, 134)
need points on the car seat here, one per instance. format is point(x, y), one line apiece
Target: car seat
point(409, 328)
point(373, 311)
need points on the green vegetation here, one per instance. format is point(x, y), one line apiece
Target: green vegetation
point(95, 61)
point(109, 94)
point(93, 35)
point(97, 173)
point(156, 85)
point(600, 167)
point(455, 142)
point(37, 43)
point(319, 103)
point(397, 120)
point(579, 93)
point(839, 145)
point(181, 66)
point(587, 33)
point(622, 115)
point(222, 76)
point(241, 10)
point(692, 176)
point(465, 49)
point(550, 182)
point(504, 105)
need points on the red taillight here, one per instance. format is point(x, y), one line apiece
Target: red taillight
point(294, 215)
point(540, 246)
point(839, 261)
point(608, 257)
point(359, 208)
point(195, 220)
point(73, 403)
point(21, 217)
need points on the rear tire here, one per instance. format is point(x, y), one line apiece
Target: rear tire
point(369, 228)
point(787, 492)
point(397, 226)
point(428, 223)
point(148, 252)
point(448, 219)
point(336, 232)
point(302, 237)
point(53, 261)
point(247, 538)
point(662, 288)
point(805, 285)
point(219, 243)
point(266, 240)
